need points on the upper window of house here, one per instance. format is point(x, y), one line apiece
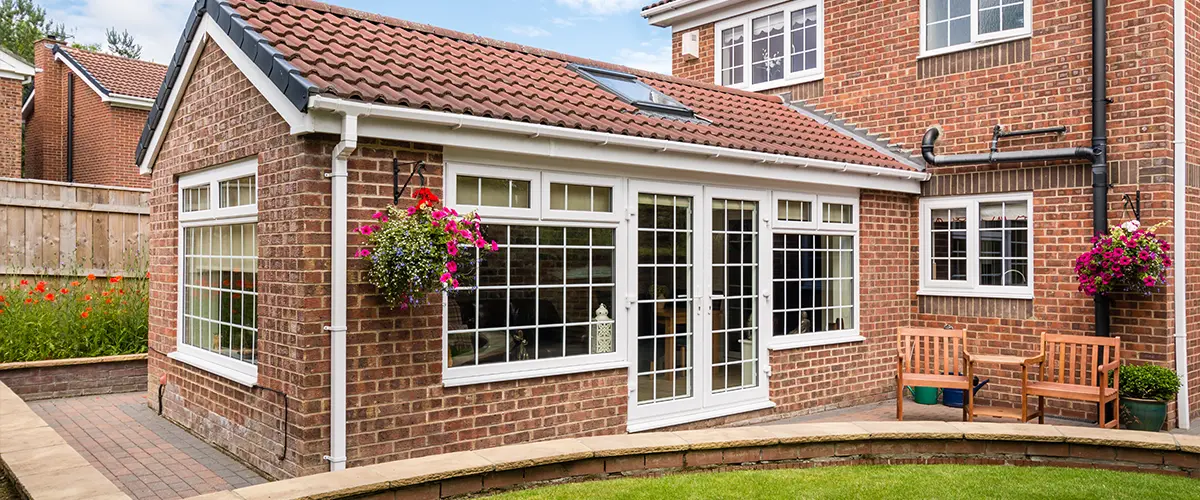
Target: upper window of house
point(771, 47)
point(218, 320)
point(950, 25)
point(634, 91)
point(977, 246)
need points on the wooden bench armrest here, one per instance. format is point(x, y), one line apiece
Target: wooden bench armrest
point(1108, 367)
point(1036, 360)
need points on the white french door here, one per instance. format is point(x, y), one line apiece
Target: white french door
point(698, 303)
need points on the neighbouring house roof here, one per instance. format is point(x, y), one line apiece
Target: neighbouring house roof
point(308, 48)
point(13, 66)
point(659, 3)
point(114, 74)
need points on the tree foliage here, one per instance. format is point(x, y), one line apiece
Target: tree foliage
point(122, 44)
point(22, 23)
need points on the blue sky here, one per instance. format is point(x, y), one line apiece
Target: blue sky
point(608, 30)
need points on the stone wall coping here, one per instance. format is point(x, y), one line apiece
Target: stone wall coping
point(40, 462)
point(52, 363)
point(363, 481)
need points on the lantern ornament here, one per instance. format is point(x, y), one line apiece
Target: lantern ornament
point(602, 332)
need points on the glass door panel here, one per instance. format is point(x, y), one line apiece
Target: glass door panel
point(665, 300)
point(734, 294)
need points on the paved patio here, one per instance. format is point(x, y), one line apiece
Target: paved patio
point(886, 412)
point(145, 455)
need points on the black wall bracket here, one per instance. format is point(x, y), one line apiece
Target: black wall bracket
point(418, 170)
point(1134, 203)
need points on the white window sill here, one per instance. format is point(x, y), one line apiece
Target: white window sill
point(1023, 294)
point(799, 340)
point(973, 45)
point(776, 84)
point(450, 379)
point(679, 419)
point(216, 369)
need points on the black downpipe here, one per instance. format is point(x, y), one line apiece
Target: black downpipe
point(1097, 154)
point(71, 128)
point(1100, 145)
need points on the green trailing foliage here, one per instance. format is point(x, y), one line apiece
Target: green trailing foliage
point(1148, 382)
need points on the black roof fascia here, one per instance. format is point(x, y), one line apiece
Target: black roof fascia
point(58, 51)
point(274, 65)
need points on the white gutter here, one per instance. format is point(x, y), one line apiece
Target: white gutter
point(337, 299)
point(667, 7)
point(457, 121)
point(1183, 406)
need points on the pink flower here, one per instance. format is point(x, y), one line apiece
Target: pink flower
point(1149, 281)
point(452, 247)
point(380, 216)
point(363, 252)
point(412, 210)
point(495, 247)
point(367, 230)
point(446, 277)
point(452, 266)
point(479, 243)
point(454, 284)
point(451, 226)
point(438, 214)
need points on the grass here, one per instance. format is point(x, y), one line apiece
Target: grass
point(881, 481)
point(60, 318)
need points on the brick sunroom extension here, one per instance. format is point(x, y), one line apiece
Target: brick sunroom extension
point(673, 254)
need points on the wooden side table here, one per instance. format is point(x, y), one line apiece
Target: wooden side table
point(994, 411)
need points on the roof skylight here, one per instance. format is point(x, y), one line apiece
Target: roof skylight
point(634, 91)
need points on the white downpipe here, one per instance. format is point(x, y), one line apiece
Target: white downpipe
point(337, 299)
point(1181, 362)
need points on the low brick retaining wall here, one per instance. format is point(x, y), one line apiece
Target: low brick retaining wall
point(777, 446)
point(40, 463)
point(65, 378)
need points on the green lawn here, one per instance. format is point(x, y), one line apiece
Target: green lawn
point(900, 481)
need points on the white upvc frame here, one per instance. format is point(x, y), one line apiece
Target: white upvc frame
point(224, 366)
point(977, 39)
point(971, 287)
point(789, 77)
point(614, 183)
point(818, 228)
point(539, 182)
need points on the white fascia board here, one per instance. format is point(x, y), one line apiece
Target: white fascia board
point(12, 75)
point(27, 107)
point(83, 75)
point(300, 122)
point(687, 14)
point(14, 68)
point(489, 134)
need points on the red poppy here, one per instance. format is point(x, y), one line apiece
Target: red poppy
point(74, 283)
point(41, 286)
point(49, 297)
point(28, 301)
point(63, 291)
point(1, 298)
point(24, 282)
point(114, 279)
point(91, 277)
point(83, 315)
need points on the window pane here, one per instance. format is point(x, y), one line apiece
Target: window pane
point(237, 192)
point(1004, 243)
point(520, 194)
point(558, 196)
point(548, 293)
point(1014, 16)
point(195, 199)
point(814, 290)
point(468, 190)
point(803, 38)
point(766, 48)
point(732, 58)
point(580, 198)
point(838, 213)
point(947, 241)
point(960, 31)
point(989, 21)
point(220, 290)
point(936, 10)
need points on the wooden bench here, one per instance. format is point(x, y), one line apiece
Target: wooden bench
point(932, 357)
point(1078, 368)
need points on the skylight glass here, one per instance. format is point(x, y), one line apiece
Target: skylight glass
point(634, 91)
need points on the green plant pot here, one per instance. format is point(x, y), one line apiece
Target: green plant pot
point(1143, 414)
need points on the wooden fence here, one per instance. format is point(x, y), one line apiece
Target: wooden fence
point(55, 228)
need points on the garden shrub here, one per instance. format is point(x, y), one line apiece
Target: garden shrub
point(60, 318)
point(1148, 382)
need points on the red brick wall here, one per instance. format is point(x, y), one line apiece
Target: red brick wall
point(1192, 94)
point(10, 127)
point(105, 136)
point(700, 68)
point(222, 118)
point(59, 379)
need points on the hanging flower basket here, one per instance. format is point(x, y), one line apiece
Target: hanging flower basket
point(422, 249)
point(1130, 258)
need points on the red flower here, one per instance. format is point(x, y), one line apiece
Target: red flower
point(24, 282)
point(114, 279)
point(74, 283)
point(83, 315)
point(49, 297)
point(41, 286)
point(91, 277)
point(63, 291)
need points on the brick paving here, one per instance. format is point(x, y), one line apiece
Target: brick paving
point(886, 412)
point(145, 455)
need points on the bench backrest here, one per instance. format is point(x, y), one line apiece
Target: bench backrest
point(1073, 359)
point(932, 351)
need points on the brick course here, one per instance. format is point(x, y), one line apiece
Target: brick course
point(71, 378)
point(10, 127)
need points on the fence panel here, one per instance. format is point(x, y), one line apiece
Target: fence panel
point(55, 228)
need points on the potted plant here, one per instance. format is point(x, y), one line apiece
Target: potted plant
point(1130, 258)
point(1145, 391)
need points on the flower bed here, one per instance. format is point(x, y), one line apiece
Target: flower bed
point(64, 318)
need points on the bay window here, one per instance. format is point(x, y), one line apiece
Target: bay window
point(771, 47)
point(949, 25)
point(218, 256)
point(979, 246)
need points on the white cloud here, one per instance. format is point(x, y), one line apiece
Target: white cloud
point(604, 7)
point(562, 22)
point(154, 24)
point(658, 61)
point(528, 31)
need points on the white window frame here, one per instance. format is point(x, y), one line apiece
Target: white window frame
point(818, 228)
point(977, 39)
point(971, 287)
point(238, 371)
point(789, 77)
point(539, 189)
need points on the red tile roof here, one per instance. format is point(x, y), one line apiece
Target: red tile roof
point(657, 4)
point(356, 55)
point(120, 75)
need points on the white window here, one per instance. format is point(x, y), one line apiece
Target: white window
point(977, 246)
point(546, 302)
point(950, 25)
point(772, 47)
point(815, 264)
point(218, 271)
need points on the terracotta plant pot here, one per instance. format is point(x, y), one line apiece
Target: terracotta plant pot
point(1143, 414)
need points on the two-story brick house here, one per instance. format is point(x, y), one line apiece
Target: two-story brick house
point(752, 259)
point(85, 115)
point(896, 69)
point(14, 72)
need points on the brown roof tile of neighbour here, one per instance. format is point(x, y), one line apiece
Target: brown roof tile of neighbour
point(356, 55)
point(657, 4)
point(120, 75)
